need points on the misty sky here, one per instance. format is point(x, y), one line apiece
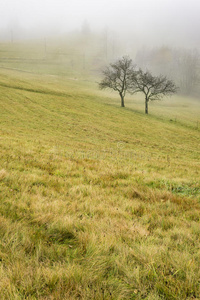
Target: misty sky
point(167, 21)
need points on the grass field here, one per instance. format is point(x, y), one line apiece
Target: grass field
point(96, 201)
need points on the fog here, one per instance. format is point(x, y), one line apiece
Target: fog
point(144, 22)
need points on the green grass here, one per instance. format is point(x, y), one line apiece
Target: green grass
point(96, 201)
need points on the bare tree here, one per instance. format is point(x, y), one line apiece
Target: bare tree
point(118, 77)
point(153, 87)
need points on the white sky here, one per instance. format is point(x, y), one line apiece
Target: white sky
point(168, 20)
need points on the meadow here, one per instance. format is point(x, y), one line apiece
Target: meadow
point(96, 201)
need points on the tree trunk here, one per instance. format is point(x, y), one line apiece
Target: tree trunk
point(122, 100)
point(146, 106)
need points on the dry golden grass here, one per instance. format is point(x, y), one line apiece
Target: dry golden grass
point(96, 202)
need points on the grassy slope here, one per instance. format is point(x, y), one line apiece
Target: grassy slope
point(97, 202)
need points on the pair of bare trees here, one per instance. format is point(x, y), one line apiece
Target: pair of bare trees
point(123, 77)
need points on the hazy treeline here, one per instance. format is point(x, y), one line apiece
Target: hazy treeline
point(182, 65)
point(90, 50)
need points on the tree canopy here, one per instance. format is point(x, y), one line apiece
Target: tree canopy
point(118, 77)
point(153, 87)
point(122, 77)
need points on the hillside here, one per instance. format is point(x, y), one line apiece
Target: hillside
point(97, 202)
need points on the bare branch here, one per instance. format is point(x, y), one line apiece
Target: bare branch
point(154, 87)
point(118, 77)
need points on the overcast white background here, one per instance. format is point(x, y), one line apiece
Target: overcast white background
point(169, 21)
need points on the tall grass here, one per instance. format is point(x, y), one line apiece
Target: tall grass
point(96, 202)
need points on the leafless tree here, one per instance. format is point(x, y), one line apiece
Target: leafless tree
point(117, 76)
point(153, 87)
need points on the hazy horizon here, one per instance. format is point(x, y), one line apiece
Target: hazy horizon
point(152, 22)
